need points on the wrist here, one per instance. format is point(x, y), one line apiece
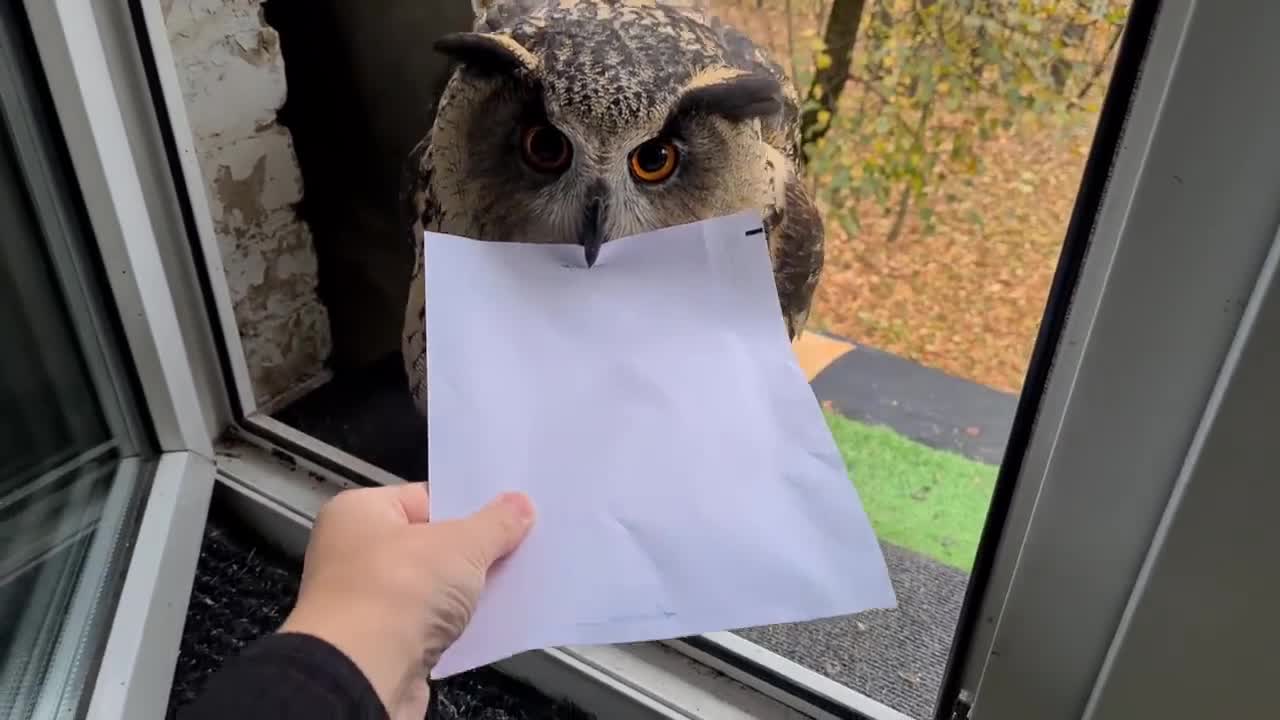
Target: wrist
point(384, 665)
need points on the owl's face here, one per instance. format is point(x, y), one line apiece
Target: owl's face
point(582, 126)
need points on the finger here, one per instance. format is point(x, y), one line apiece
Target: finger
point(414, 501)
point(495, 530)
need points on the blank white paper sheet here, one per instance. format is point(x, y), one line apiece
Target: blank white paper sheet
point(684, 477)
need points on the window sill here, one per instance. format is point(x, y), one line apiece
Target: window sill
point(278, 495)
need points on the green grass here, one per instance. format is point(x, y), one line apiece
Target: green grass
point(930, 501)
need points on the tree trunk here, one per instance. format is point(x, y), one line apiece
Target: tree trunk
point(904, 200)
point(913, 85)
point(977, 63)
point(1060, 70)
point(1101, 65)
point(840, 35)
point(900, 217)
point(878, 23)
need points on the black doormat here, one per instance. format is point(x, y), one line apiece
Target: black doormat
point(244, 589)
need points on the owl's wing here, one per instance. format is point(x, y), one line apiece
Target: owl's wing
point(796, 239)
point(417, 210)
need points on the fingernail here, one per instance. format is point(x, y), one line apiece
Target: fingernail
point(520, 504)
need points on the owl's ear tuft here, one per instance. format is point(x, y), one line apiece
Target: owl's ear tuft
point(732, 94)
point(487, 52)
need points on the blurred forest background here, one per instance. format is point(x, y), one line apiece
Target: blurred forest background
point(946, 140)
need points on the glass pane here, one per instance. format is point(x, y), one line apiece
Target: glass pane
point(942, 142)
point(945, 145)
point(71, 482)
point(65, 549)
point(51, 413)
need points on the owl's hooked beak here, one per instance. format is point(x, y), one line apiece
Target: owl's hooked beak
point(592, 237)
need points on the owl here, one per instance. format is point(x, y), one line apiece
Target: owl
point(583, 121)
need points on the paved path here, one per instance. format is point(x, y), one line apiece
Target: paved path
point(921, 403)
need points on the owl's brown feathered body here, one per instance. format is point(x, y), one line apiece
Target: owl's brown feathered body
point(582, 121)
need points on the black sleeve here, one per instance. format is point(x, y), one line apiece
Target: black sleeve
point(284, 676)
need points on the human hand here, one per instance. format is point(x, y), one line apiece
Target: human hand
point(393, 591)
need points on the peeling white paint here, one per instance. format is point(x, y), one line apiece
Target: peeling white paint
point(233, 83)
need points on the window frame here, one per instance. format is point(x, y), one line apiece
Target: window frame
point(1173, 272)
point(76, 64)
point(1221, 499)
point(1081, 445)
point(69, 253)
point(132, 674)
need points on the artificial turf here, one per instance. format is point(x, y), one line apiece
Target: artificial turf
point(927, 500)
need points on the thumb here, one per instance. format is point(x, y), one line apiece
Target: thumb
point(494, 531)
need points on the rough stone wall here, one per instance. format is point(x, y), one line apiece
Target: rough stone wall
point(233, 81)
point(363, 79)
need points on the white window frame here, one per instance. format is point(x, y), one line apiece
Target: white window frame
point(1190, 215)
point(1068, 622)
point(133, 676)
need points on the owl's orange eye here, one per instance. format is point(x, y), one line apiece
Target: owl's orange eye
point(545, 148)
point(654, 161)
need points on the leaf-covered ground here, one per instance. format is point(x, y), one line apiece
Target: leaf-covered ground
point(967, 298)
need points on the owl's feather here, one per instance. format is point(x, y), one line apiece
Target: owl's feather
point(417, 212)
point(610, 74)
